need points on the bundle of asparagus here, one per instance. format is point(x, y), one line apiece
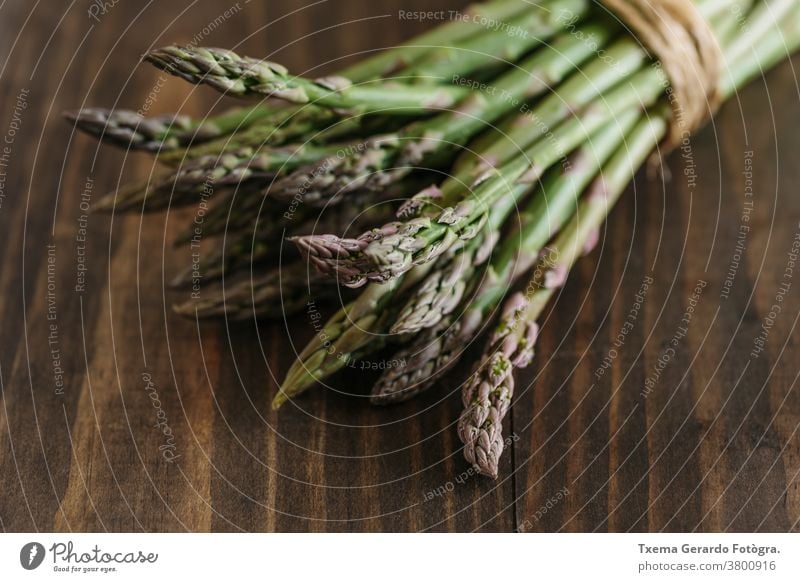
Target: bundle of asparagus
point(538, 114)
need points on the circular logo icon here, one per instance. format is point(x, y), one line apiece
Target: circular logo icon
point(31, 555)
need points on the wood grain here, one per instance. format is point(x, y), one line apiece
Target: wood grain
point(713, 447)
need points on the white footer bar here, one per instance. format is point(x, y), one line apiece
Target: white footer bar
point(401, 557)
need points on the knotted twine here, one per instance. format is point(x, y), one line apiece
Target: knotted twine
point(679, 38)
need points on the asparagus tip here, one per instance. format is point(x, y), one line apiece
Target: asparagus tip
point(71, 116)
point(185, 309)
point(332, 254)
point(180, 280)
point(105, 203)
point(279, 400)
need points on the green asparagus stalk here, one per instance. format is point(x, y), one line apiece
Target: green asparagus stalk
point(195, 178)
point(239, 76)
point(243, 76)
point(292, 125)
point(442, 291)
point(487, 394)
point(280, 292)
point(298, 124)
point(344, 335)
point(130, 129)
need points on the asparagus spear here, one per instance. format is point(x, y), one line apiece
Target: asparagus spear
point(251, 208)
point(297, 124)
point(130, 129)
point(234, 168)
point(240, 76)
point(440, 294)
point(245, 76)
point(354, 326)
point(306, 123)
point(487, 394)
point(442, 291)
point(279, 292)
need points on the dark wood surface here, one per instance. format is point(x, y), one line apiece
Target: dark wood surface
point(713, 446)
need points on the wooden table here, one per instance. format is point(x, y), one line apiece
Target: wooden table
point(93, 362)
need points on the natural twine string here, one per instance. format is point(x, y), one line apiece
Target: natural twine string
point(678, 36)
